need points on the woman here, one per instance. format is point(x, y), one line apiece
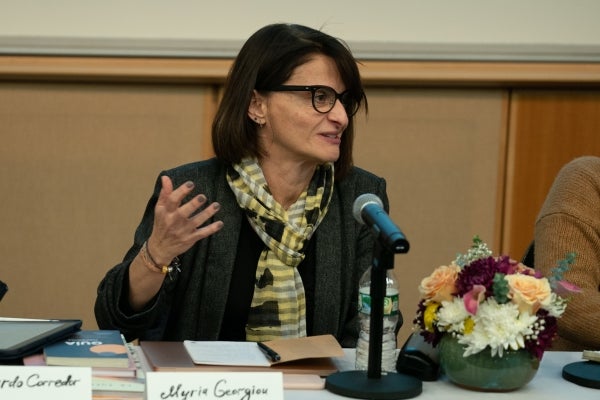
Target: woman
point(259, 242)
point(569, 221)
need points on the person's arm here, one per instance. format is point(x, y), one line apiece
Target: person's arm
point(129, 296)
point(570, 222)
point(557, 235)
point(176, 228)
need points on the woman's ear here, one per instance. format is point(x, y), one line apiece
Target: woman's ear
point(257, 108)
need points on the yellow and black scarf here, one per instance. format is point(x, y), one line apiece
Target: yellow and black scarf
point(278, 306)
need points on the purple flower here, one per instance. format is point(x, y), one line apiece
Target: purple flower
point(432, 338)
point(544, 337)
point(479, 272)
point(477, 277)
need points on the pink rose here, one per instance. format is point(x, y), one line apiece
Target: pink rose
point(528, 292)
point(440, 285)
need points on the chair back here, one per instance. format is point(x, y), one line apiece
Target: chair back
point(528, 258)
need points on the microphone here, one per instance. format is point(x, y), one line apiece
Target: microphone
point(368, 210)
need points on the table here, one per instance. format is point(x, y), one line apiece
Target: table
point(547, 384)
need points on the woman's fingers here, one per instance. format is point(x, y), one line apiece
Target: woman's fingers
point(171, 198)
point(207, 213)
point(191, 207)
point(207, 230)
point(177, 225)
point(166, 189)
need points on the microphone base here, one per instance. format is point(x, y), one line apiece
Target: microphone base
point(390, 385)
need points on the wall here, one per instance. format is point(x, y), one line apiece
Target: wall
point(81, 158)
point(77, 165)
point(388, 29)
point(84, 137)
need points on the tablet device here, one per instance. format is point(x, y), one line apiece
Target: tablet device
point(20, 338)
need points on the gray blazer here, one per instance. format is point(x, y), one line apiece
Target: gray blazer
point(190, 304)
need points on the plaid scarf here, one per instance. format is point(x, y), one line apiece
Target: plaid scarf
point(278, 306)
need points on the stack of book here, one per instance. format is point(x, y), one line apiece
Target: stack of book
point(105, 351)
point(114, 363)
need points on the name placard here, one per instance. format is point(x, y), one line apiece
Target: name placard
point(214, 385)
point(29, 382)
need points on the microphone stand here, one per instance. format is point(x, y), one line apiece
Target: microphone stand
point(372, 384)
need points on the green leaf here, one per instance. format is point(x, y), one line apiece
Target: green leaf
point(500, 288)
point(562, 266)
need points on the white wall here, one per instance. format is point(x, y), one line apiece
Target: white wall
point(394, 28)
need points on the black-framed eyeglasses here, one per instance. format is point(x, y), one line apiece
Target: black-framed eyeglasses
point(323, 97)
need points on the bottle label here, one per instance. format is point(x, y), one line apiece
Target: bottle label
point(390, 304)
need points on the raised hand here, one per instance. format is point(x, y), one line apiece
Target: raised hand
point(177, 226)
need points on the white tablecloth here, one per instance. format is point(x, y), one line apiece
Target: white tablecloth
point(546, 385)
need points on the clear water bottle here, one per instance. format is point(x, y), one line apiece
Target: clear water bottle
point(391, 312)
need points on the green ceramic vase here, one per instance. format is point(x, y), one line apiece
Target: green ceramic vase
point(483, 372)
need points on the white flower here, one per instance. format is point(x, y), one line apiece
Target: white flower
point(499, 326)
point(460, 300)
point(557, 306)
point(478, 251)
point(452, 315)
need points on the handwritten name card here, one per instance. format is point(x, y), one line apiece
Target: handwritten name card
point(28, 383)
point(214, 385)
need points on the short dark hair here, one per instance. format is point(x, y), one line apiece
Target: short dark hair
point(266, 60)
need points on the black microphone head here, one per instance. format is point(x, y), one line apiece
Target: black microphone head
point(361, 201)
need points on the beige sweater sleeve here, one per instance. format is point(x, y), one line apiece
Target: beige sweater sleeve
point(569, 221)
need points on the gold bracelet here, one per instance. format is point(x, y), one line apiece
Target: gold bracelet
point(151, 264)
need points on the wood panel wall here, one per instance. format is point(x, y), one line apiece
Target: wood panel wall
point(466, 148)
point(442, 154)
point(78, 163)
point(548, 128)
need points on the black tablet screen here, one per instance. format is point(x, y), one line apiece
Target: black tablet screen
point(19, 338)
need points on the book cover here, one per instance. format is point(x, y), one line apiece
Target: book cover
point(90, 348)
point(591, 355)
point(173, 357)
point(131, 371)
point(264, 354)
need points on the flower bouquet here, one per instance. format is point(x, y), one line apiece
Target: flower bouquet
point(491, 307)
